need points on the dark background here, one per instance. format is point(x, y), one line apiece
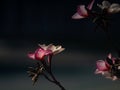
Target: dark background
point(26, 23)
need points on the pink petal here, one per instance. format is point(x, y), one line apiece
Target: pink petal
point(77, 16)
point(48, 52)
point(31, 55)
point(90, 5)
point(39, 54)
point(101, 65)
point(82, 11)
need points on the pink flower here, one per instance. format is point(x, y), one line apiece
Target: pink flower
point(105, 67)
point(105, 70)
point(82, 11)
point(44, 50)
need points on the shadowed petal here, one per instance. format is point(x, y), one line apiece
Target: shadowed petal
point(114, 8)
point(106, 4)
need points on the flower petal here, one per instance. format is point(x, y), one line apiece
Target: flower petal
point(98, 72)
point(90, 5)
point(101, 65)
point(58, 51)
point(106, 4)
point(31, 55)
point(109, 56)
point(77, 16)
point(114, 8)
point(39, 54)
point(51, 47)
point(43, 46)
point(82, 10)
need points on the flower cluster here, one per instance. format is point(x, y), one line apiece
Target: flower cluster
point(44, 50)
point(110, 67)
point(109, 8)
point(44, 55)
point(100, 18)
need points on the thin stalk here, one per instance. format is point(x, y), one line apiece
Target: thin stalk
point(50, 61)
point(47, 78)
point(56, 82)
point(51, 74)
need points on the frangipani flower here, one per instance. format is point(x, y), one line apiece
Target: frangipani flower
point(44, 67)
point(82, 12)
point(44, 50)
point(110, 8)
point(109, 67)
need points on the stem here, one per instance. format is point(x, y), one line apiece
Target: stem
point(48, 78)
point(49, 61)
point(56, 82)
point(49, 70)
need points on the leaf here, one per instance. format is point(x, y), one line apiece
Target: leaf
point(35, 72)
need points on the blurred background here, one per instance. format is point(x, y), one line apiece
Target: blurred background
point(26, 23)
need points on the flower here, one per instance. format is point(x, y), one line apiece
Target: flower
point(109, 67)
point(44, 50)
point(82, 11)
point(110, 8)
